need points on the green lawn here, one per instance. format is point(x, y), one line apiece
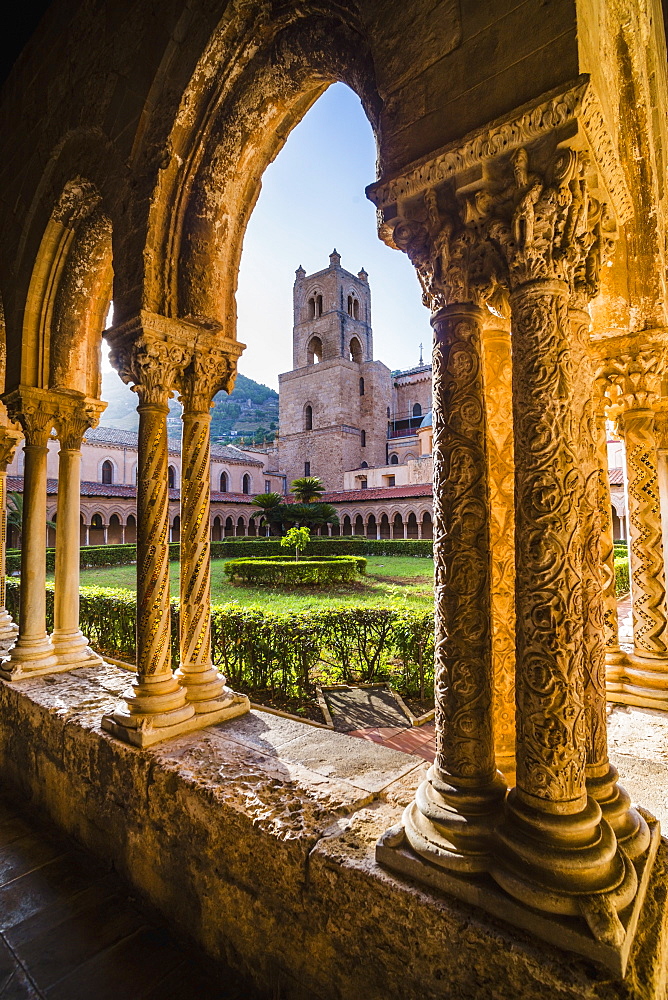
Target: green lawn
point(390, 581)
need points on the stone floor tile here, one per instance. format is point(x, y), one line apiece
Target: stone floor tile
point(55, 881)
point(19, 987)
point(130, 968)
point(26, 854)
point(71, 932)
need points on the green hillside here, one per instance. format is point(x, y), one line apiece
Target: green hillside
point(249, 414)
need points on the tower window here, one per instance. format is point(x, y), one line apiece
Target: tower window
point(318, 305)
point(107, 473)
point(417, 410)
point(224, 482)
point(363, 438)
point(267, 486)
point(363, 484)
point(355, 350)
point(311, 308)
point(364, 465)
point(307, 468)
point(314, 351)
point(394, 460)
point(361, 387)
point(246, 484)
point(171, 477)
point(308, 418)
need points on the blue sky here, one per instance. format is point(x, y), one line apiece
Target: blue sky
point(313, 200)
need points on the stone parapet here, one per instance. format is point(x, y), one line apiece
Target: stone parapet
point(257, 840)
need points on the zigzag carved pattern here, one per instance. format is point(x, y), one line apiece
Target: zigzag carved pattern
point(195, 544)
point(153, 621)
point(648, 575)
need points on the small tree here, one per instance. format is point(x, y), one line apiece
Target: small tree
point(297, 538)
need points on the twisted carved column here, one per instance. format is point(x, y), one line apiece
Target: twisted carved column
point(156, 702)
point(204, 684)
point(499, 409)
point(33, 653)
point(9, 439)
point(74, 414)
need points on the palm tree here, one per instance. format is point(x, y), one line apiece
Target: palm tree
point(310, 515)
point(307, 488)
point(273, 507)
point(15, 513)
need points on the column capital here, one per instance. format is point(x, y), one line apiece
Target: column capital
point(10, 438)
point(151, 352)
point(211, 368)
point(33, 409)
point(631, 379)
point(74, 414)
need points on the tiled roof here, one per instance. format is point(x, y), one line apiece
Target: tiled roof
point(128, 439)
point(116, 490)
point(379, 493)
point(616, 476)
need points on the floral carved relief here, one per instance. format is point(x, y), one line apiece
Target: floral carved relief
point(463, 680)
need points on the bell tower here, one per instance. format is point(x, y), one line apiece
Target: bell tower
point(334, 404)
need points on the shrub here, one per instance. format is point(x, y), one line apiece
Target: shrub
point(310, 571)
point(284, 652)
point(622, 582)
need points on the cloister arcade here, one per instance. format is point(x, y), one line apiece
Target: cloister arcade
point(521, 159)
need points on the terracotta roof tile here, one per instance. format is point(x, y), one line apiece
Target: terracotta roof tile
point(379, 493)
point(616, 476)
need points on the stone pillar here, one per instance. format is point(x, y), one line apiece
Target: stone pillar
point(33, 653)
point(9, 439)
point(156, 703)
point(499, 410)
point(646, 675)
point(616, 659)
point(451, 820)
point(630, 828)
point(204, 684)
point(555, 852)
point(74, 414)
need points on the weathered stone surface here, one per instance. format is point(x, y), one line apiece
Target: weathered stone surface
point(265, 860)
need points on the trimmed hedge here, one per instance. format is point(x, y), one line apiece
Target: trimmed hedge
point(622, 581)
point(288, 652)
point(239, 548)
point(309, 571)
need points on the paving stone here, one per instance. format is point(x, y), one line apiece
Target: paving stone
point(363, 708)
point(336, 755)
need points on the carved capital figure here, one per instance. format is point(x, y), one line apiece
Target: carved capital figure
point(206, 374)
point(151, 365)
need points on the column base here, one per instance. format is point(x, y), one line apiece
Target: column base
point(205, 688)
point(72, 648)
point(452, 826)
point(148, 731)
point(30, 658)
point(645, 683)
point(568, 933)
point(9, 631)
point(616, 662)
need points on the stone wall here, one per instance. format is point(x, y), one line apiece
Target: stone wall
point(256, 840)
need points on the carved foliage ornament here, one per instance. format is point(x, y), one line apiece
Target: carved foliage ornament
point(631, 381)
point(153, 366)
point(207, 373)
point(532, 226)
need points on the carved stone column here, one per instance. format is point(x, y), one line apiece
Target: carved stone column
point(455, 810)
point(631, 383)
point(156, 704)
point(630, 828)
point(74, 414)
point(33, 653)
point(204, 684)
point(9, 440)
point(615, 658)
point(499, 409)
point(532, 221)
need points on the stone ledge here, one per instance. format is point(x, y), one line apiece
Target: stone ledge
point(257, 838)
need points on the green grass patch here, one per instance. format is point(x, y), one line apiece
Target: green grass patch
point(390, 581)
